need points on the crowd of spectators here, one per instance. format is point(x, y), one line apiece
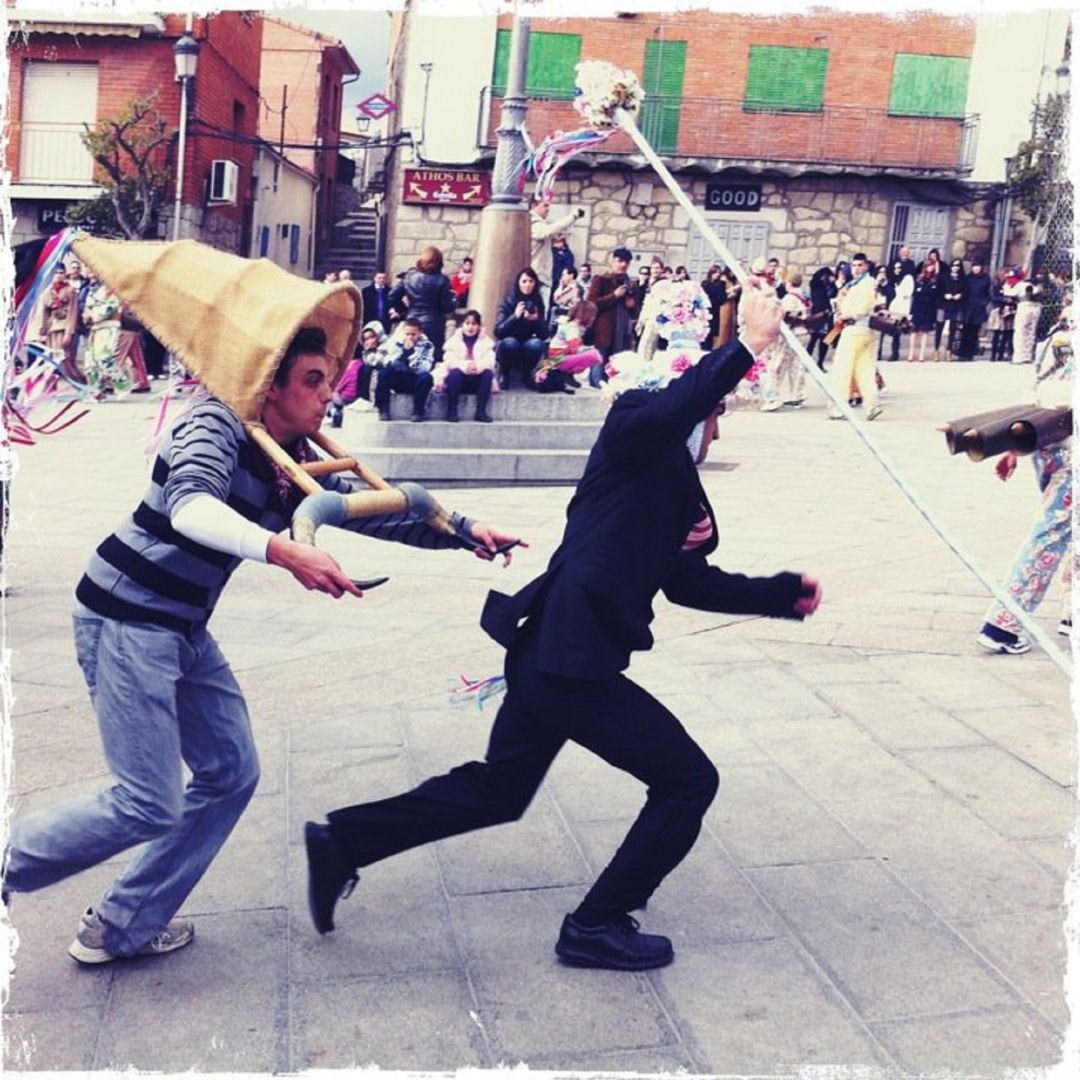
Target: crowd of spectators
point(557, 320)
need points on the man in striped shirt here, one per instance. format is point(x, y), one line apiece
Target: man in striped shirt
point(162, 691)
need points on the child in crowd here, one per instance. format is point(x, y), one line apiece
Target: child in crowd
point(567, 353)
point(405, 364)
point(468, 367)
point(355, 381)
point(461, 282)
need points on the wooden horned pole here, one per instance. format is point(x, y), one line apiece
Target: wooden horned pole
point(382, 499)
point(626, 121)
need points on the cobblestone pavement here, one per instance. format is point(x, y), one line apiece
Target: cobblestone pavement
point(879, 883)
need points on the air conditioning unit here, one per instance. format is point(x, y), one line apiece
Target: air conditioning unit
point(223, 181)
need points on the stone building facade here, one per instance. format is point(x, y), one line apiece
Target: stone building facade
point(805, 222)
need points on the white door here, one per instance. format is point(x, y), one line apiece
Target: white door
point(745, 239)
point(57, 100)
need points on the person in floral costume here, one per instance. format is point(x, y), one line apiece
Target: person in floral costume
point(104, 374)
point(1050, 541)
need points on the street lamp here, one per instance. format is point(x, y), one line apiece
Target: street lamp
point(426, 69)
point(186, 59)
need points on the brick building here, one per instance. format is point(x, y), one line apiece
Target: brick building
point(301, 82)
point(70, 69)
point(805, 137)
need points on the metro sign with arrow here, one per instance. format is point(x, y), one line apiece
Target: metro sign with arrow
point(446, 187)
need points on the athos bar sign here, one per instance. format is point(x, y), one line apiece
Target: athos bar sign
point(744, 197)
point(446, 187)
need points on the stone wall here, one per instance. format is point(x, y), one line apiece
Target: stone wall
point(813, 222)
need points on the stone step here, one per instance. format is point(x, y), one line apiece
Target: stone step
point(586, 406)
point(463, 467)
point(507, 435)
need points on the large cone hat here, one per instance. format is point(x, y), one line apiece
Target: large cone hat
point(228, 319)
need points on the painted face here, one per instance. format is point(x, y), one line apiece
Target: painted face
point(471, 325)
point(410, 336)
point(298, 407)
point(526, 283)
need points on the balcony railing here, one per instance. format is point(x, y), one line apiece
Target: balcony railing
point(714, 128)
point(53, 154)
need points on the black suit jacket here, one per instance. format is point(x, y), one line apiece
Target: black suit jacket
point(369, 296)
point(625, 528)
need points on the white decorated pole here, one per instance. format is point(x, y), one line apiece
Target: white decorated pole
point(625, 118)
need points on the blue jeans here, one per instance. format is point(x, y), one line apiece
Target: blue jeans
point(513, 353)
point(403, 381)
point(161, 699)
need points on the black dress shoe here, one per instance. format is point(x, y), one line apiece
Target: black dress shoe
point(618, 944)
point(330, 877)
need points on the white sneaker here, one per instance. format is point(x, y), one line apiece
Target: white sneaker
point(875, 412)
point(89, 944)
point(1009, 648)
point(1065, 627)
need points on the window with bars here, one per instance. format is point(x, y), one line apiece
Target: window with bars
point(662, 81)
point(925, 85)
point(551, 67)
point(786, 78)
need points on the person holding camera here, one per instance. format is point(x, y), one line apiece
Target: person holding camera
point(617, 301)
point(550, 253)
point(521, 329)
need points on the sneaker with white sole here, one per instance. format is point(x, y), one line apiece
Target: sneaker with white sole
point(1008, 648)
point(89, 944)
point(875, 412)
point(1065, 627)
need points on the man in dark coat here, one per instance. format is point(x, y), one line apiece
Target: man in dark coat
point(376, 298)
point(639, 522)
point(617, 302)
point(976, 310)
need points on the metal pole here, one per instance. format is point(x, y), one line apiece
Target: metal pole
point(182, 148)
point(503, 243)
point(510, 152)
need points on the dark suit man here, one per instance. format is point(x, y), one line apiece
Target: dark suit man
point(638, 523)
point(376, 298)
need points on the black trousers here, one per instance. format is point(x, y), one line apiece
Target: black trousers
point(612, 717)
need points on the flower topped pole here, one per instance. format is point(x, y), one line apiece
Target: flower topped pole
point(608, 99)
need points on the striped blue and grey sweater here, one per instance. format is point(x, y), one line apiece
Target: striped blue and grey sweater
point(148, 572)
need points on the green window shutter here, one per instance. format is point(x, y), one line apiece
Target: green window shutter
point(502, 62)
point(552, 64)
point(662, 80)
point(783, 77)
point(553, 60)
point(929, 85)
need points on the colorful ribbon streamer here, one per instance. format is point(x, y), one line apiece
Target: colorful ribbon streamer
point(478, 690)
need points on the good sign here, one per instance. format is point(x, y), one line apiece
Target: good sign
point(745, 197)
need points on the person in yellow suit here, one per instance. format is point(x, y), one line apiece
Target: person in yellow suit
point(856, 354)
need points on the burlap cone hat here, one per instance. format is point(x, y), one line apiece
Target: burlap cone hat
point(228, 319)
